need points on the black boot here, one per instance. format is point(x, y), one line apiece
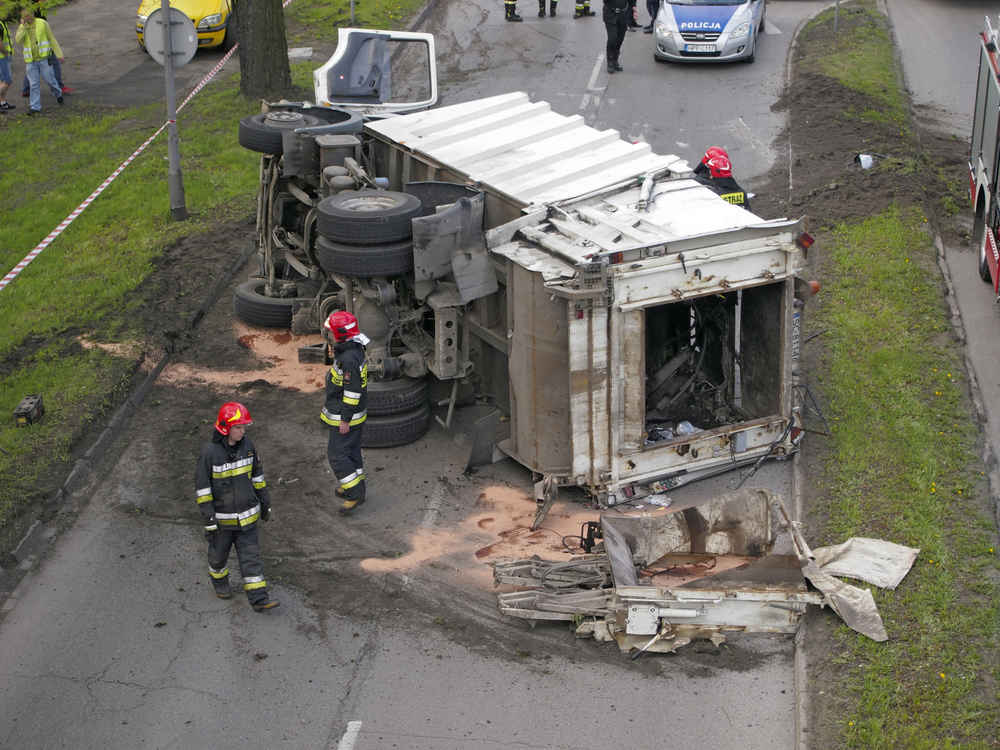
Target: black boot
point(541, 8)
point(587, 11)
point(611, 67)
point(552, 8)
point(511, 9)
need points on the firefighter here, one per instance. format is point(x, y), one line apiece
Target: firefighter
point(232, 496)
point(541, 8)
point(510, 11)
point(345, 407)
point(720, 179)
point(583, 9)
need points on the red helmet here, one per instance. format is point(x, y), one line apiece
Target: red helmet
point(717, 161)
point(343, 324)
point(232, 415)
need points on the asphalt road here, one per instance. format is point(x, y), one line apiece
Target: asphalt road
point(112, 639)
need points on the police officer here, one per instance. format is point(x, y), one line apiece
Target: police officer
point(616, 14)
point(720, 177)
point(232, 496)
point(345, 407)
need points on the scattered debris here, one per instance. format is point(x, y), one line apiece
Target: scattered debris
point(699, 570)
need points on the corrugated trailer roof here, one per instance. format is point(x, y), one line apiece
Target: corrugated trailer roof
point(524, 149)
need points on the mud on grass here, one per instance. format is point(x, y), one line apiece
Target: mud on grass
point(84, 375)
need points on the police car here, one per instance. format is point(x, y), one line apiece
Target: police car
point(708, 30)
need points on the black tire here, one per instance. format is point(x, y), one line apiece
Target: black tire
point(396, 429)
point(251, 306)
point(262, 133)
point(387, 397)
point(229, 40)
point(365, 261)
point(753, 52)
point(368, 217)
point(984, 266)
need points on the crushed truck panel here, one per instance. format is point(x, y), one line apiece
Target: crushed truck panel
point(699, 570)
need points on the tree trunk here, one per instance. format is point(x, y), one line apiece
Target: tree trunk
point(260, 32)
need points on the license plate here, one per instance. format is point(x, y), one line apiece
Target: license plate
point(699, 48)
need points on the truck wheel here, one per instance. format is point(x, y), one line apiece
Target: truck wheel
point(984, 266)
point(365, 261)
point(252, 306)
point(387, 397)
point(979, 232)
point(262, 133)
point(396, 429)
point(368, 217)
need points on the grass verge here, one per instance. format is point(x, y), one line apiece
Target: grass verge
point(861, 58)
point(83, 281)
point(902, 466)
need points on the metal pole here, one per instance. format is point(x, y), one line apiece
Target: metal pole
point(354, 21)
point(836, 12)
point(175, 180)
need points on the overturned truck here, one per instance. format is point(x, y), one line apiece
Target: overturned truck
point(640, 331)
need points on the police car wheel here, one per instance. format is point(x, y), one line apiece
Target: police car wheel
point(262, 132)
point(396, 429)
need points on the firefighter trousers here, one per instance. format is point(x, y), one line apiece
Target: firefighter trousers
point(247, 552)
point(344, 452)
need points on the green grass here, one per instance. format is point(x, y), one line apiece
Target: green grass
point(82, 280)
point(902, 466)
point(862, 59)
point(318, 21)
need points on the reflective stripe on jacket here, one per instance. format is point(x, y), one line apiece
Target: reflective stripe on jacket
point(229, 483)
point(43, 44)
point(347, 386)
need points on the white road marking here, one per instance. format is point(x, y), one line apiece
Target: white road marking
point(593, 81)
point(770, 28)
point(350, 736)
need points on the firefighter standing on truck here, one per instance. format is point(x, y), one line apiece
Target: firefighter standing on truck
point(232, 496)
point(720, 179)
point(345, 407)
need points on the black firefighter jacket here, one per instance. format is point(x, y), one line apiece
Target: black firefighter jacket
point(347, 386)
point(229, 483)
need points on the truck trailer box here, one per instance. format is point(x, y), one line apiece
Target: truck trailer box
point(642, 329)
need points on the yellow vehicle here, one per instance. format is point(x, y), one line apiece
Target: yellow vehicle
point(210, 18)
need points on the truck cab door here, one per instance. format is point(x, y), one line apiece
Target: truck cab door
point(359, 76)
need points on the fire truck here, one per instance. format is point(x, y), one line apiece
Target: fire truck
point(983, 157)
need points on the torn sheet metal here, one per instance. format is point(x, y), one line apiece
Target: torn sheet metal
point(699, 570)
point(873, 561)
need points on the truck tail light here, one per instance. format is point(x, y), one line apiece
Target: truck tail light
point(804, 241)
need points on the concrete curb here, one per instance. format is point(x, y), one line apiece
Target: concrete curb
point(800, 666)
point(79, 477)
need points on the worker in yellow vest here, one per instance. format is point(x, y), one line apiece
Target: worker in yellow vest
point(39, 41)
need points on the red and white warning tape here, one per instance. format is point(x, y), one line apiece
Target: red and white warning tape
point(90, 198)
